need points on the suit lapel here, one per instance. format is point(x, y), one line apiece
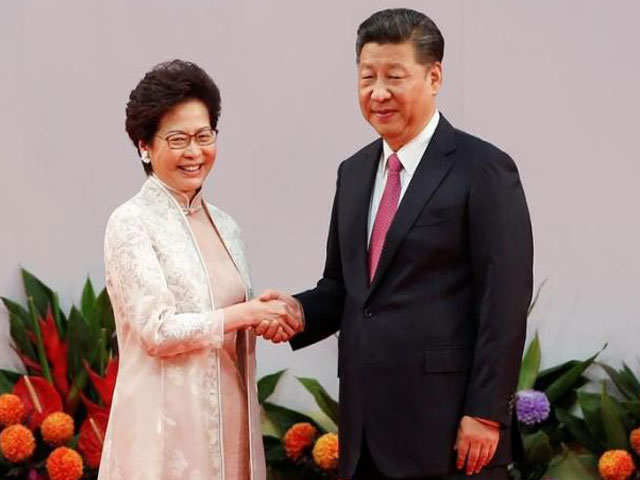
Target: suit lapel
point(432, 169)
point(357, 187)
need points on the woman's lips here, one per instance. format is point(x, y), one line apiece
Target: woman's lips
point(190, 170)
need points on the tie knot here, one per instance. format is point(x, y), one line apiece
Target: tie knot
point(394, 163)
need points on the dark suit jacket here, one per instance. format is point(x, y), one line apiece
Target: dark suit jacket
point(439, 332)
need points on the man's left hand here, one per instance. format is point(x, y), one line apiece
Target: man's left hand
point(476, 444)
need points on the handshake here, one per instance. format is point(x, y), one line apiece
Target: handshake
point(278, 316)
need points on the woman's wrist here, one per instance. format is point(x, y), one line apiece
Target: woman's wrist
point(240, 316)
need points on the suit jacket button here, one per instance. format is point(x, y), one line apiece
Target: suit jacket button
point(367, 313)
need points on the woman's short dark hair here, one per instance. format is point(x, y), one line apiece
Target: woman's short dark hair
point(398, 25)
point(162, 88)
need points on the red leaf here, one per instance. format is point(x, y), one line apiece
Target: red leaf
point(56, 351)
point(28, 362)
point(93, 408)
point(91, 438)
point(46, 395)
point(104, 385)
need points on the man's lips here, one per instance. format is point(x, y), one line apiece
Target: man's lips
point(383, 114)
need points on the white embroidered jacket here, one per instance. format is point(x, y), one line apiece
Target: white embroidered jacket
point(165, 421)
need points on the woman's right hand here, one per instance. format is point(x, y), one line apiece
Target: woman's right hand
point(278, 314)
point(275, 313)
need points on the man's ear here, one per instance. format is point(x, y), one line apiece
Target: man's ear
point(435, 76)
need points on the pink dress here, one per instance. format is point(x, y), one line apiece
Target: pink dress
point(228, 289)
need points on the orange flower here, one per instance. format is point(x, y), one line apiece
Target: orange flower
point(11, 409)
point(57, 428)
point(634, 440)
point(17, 443)
point(64, 464)
point(298, 438)
point(325, 451)
point(616, 465)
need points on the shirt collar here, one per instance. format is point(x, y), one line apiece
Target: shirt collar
point(411, 153)
point(188, 206)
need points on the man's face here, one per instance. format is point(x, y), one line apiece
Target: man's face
point(396, 93)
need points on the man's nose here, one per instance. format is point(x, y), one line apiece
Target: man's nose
point(380, 92)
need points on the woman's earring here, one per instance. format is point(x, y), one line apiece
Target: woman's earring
point(145, 157)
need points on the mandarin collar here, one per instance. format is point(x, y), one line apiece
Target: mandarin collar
point(188, 206)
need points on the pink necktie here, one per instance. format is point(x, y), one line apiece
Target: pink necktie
point(386, 211)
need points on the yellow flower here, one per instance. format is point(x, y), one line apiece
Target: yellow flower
point(11, 409)
point(64, 464)
point(57, 428)
point(616, 465)
point(17, 443)
point(634, 440)
point(298, 438)
point(325, 451)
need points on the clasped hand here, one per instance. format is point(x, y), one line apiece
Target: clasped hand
point(279, 317)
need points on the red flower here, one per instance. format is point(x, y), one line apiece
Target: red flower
point(104, 385)
point(39, 397)
point(56, 351)
point(91, 438)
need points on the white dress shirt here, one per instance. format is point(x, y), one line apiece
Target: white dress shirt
point(410, 156)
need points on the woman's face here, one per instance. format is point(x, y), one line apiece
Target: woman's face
point(183, 169)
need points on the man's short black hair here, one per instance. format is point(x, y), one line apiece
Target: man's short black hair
point(399, 25)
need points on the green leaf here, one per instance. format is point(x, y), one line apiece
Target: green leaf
point(530, 365)
point(619, 381)
point(18, 333)
point(88, 300)
point(18, 311)
point(590, 404)
point(283, 418)
point(535, 298)
point(267, 385)
point(631, 380)
point(634, 409)
point(273, 449)
point(42, 356)
point(549, 375)
point(13, 377)
point(36, 289)
point(83, 339)
point(613, 427)
point(61, 321)
point(327, 404)
point(6, 385)
point(537, 448)
point(104, 312)
point(569, 467)
point(569, 379)
point(578, 429)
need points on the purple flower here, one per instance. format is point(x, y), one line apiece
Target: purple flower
point(532, 407)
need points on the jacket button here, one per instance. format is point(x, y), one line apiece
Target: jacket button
point(367, 313)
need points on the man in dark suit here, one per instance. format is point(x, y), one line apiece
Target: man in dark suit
point(428, 275)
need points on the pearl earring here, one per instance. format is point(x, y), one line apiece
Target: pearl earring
point(145, 157)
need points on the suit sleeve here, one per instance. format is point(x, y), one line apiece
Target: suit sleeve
point(502, 262)
point(323, 304)
point(141, 297)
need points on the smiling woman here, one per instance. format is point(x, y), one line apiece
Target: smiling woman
point(185, 403)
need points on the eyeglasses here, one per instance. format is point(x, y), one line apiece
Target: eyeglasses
point(179, 140)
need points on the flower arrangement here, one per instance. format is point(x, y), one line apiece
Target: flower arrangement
point(301, 447)
point(70, 365)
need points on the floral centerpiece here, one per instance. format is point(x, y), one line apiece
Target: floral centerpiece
point(54, 414)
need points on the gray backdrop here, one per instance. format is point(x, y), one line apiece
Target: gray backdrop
point(555, 84)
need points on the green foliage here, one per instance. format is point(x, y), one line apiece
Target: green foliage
point(327, 404)
point(55, 346)
point(530, 365)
